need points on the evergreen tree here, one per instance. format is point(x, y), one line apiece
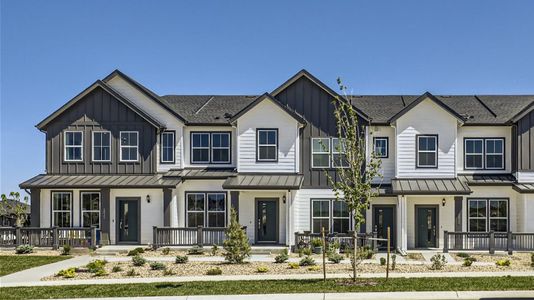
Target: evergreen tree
point(236, 243)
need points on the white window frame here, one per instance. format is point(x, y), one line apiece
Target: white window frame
point(90, 210)
point(65, 146)
point(101, 147)
point(128, 146)
point(267, 145)
point(206, 210)
point(328, 152)
point(335, 152)
point(52, 218)
point(193, 147)
point(435, 151)
point(381, 138)
point(163, 147)
point(494, 154)
point(474, 153)
point(229, 148)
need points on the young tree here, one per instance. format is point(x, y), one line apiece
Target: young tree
point(236, 243)
point(357, 169)
point(13, 205)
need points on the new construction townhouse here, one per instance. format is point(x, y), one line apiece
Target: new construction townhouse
point(135, 164)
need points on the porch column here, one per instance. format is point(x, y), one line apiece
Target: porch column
point(167, 198)
point(35, 212)
point(105, 220)
point(402, 223)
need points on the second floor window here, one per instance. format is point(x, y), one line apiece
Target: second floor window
point(167, 147)
point(101, 146)
point(267, 144)
point(484, 153)
point(211, 147)
point(129, 145)
point(73, 145)
point(328, 152)
point(381, 147)
point(427, 151)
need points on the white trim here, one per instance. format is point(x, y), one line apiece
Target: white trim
point(162, 147)
point(321, 152)
point(101, 147)
point(435, 151)
point(267, 145)
point(381, 138)
point(90, 210)
point(335, 152)
point(200, 147)
point(229, 147)
point(474, 153)
point(69, 211)
point(494, 154)
point(128, 146)
point(65, 146)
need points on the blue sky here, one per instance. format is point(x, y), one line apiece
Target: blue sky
point(52, 50)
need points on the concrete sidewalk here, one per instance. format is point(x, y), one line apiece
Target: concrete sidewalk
point(346, 296)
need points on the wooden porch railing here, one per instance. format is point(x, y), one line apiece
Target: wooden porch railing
point(188, 236)
point(490, 241)
point(53, 237)
point(345, 240)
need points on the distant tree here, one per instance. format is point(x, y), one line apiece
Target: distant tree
point(13, 205)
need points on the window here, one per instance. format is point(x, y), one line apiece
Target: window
point(332, 215)
point(339, 158)
point(90, 209)
point(320, 152)
point(211, 147)
point(488, 215)
point(61, 209)
point(129, 145)
point(495, 154)
point(73, 145)
point(206, 209)
point(101, 146)
point(167, 146)
point(381, 147)
point(267, 141)
point(474, 153)
point(427, 151)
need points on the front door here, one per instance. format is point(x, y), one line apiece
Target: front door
point(266, 220)
point(128, 220)
point(384, 217)
point(426, 226)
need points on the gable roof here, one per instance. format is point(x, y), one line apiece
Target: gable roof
point(99, 84)
point(263, 97)
point(309, 76)
point(422, 98)
point(145, 91)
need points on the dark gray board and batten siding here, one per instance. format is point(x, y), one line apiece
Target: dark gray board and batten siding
point(315, 105)
point(99, 110)
point(522, 141)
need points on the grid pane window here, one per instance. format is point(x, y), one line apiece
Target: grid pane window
point(267, 145)
point(206, 209)
point(195, 209)
point(340, 217)
point(73, 141)
point(498, 215)
point(216, 210)
point(200, 147)
point(167, 147)
point(339, 158)
point(101, 146)
point(474, 154)
point(427, 154)
point(332, 215)
point(220, 147)
point(90, 209)
point(488, 215)
point(129, 144)
point(61, 209)
point(321, 152)
point(381, 147)
point(494, 154)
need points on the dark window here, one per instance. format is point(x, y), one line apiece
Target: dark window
point(101, 146)
point(427, 151)
point(330, 214)
point(73, 146)
point(494, 154)
point(267, 144)
point(488, 215)
point(206, 209)
point(200, 147)
point(474, 153)
point(90, 209)
point(220, 147)
point(167, 147)
point(211, 147)
point(61, 209)
point(381, 147)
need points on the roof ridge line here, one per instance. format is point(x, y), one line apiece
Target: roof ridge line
point(204, 105)
point(485, 106)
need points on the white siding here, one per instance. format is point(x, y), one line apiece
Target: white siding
point(387, 168)
point(302, 205)
point(426, 118)
point(267, 115)
point(485, 132)
point(157, 112)
point(524, 176)
point(187, 145)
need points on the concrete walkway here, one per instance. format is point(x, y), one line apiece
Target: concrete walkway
point(346, 296)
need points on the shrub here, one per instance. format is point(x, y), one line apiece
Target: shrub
point(132, 272)
point(195, 251)
point(335, 257)
point(307, 261)
point(96, 265)
point(503, 262)
point(236, 243)
point(293, 265)
point(67, 273)
point(467, 262)
point(305, 252)
point(140, 250)
point(168, 272)
point(382, 261)
point(365, 253)
point(470, 258)
point(282, 257)
point(462, 255)
point(166, 251)
point(316, 242)
point(214, 271)
point(262, 269)
point(157, 265)
point(100, 272)
point(314, 268)
point(438, 262)
point(532, 259)
point(214, 250)
point(393, 262)
point(24, 249)
point(138, 260)
point(133, 252)
point(181, 259)
point(116, 269)
point(66, 250)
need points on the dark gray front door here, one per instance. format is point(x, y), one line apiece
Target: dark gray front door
point(128, 220)
point(426, 226)
point(384, 217)
point(266, 220)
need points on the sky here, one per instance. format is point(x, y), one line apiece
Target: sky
point(52, 50)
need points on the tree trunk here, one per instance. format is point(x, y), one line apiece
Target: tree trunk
point(355, 251)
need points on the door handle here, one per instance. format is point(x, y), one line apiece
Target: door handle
point(120, 225)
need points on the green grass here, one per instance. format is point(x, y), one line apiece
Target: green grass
point(268, 287)
point(15, 263)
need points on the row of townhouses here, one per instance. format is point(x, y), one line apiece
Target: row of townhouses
point(124, 159)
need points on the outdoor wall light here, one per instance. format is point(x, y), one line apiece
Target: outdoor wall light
point(284, 199)
point(147, 198)
point(443, 202)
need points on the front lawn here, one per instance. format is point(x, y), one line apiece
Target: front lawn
point(11, 263)
point(270, 287)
